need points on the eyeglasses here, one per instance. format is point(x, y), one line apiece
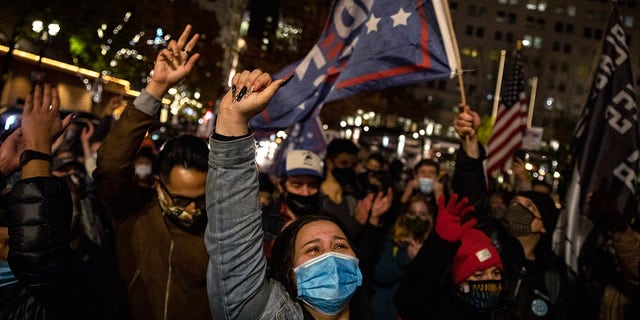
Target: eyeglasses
point(182, 201)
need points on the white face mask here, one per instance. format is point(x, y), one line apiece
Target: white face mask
point(143, 170)
point(426, 185)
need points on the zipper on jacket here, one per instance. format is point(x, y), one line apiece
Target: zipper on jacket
point(166, 292)
point(133, 279)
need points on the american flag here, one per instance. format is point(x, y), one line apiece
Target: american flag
point(366, 45)
point(511, 120)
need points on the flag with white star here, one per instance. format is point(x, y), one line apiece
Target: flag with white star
point(366, 45)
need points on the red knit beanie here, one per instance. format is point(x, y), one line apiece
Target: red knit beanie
point(475, 253)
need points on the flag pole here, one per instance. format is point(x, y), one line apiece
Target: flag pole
point(496, 96)
point(456, 52)
point(532, 102)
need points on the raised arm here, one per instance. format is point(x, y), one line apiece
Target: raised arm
point(115, 165)
point(39, 214)
point(469, 178)
point(236, 278)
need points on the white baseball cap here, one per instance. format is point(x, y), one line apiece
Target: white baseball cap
point(301, 162)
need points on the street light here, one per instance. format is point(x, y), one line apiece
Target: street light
point(44, 35)
point(52, 29)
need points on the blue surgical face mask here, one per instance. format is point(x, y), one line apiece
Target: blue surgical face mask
point(6, 276)
point(426, 185)
point(327, 282)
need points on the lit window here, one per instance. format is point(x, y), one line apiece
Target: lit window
point(527, 40)
point(531, 5)
point(542, 6)
point(628, 21)
point(537, 42)
point(571, 11)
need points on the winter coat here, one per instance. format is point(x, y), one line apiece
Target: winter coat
point(54, 282)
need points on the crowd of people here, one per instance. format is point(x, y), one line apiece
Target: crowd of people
point(101, 225)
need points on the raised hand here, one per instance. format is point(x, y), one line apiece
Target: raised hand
point(10, 151)
point(41, 122)
point(249, 95)
point(413, 246)
point(381, 204)
point(363, 208)
point(467, 122)
point(173, 63)
point(449, 224)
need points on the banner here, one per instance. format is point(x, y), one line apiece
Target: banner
point(366, 45)
point(605, 145)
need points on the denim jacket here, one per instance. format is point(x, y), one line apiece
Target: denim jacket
point(237, 283)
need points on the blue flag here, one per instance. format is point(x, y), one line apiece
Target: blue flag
point(366, 45)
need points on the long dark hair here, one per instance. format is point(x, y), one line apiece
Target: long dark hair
point(281, 268)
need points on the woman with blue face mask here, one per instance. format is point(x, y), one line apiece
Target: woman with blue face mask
point(315, 272)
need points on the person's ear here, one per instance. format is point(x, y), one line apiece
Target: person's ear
point(281, 186)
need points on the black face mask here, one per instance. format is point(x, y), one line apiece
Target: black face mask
point(303, 205)
point(519, 219)
point(483, 294)
point(346, 177)
point(417, 226)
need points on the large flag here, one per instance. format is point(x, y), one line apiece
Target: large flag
point(511, 120)
point(605, 145)
point(365, 45)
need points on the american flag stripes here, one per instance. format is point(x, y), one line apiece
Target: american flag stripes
point(511, 120)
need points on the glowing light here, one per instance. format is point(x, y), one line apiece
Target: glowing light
point(37, 26)
point(401, 140)
point(10, 121)
point(53, 29)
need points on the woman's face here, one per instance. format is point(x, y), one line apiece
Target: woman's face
point(418, 209)
point(319, 237)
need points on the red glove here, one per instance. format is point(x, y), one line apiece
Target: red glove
point(448, 222)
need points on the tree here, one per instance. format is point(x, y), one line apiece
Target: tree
point(120, 21)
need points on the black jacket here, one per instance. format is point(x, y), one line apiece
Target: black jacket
point(52, 277)
point(428, 291)
point(539, 285)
